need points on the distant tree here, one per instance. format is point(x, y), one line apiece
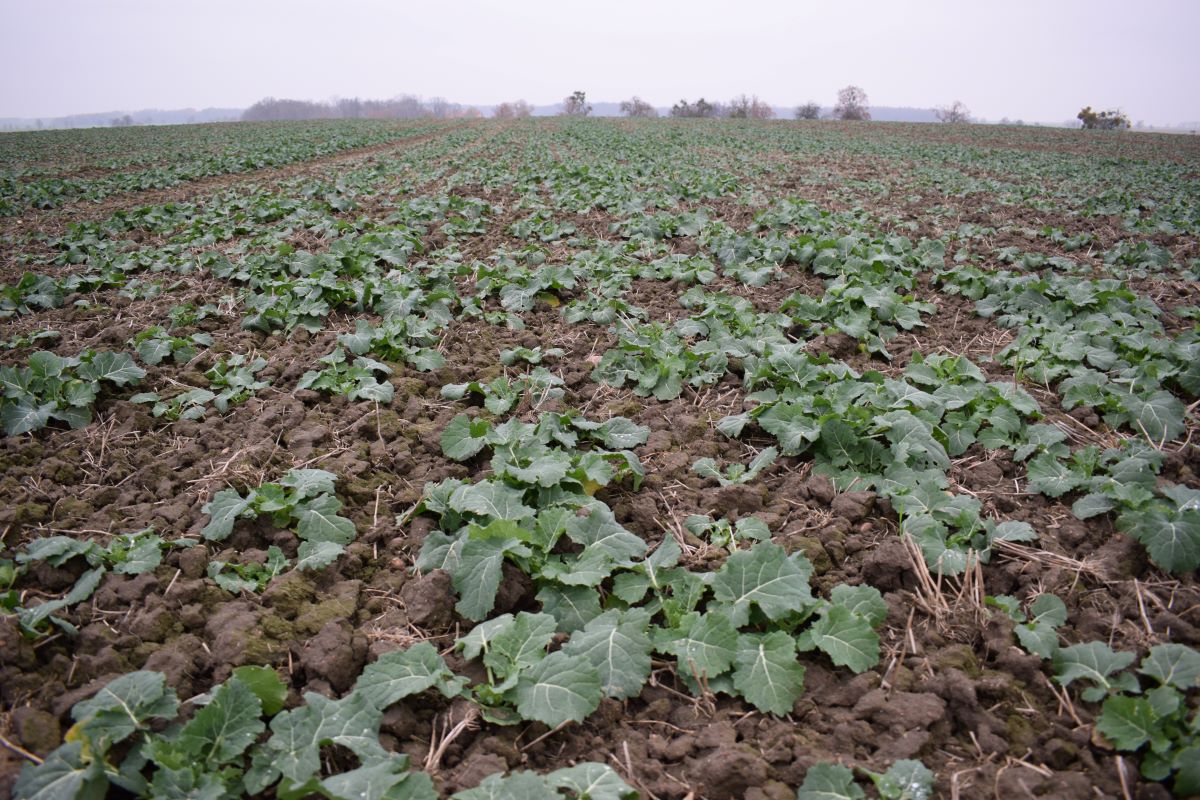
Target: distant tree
point(809, 110)
point(852, 104)
point(121, 122)
point(637, 107)
point(1103, 120)
point(576, 105)
point(743, 107)
point(700, 108)
point(954, 114)
point(514, 110)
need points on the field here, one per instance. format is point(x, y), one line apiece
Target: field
point(672, 459)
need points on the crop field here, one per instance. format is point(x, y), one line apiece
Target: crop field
point(599, 459)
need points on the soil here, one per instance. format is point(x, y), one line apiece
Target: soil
point(953, 687)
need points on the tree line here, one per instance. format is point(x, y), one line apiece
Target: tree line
point(402, 107)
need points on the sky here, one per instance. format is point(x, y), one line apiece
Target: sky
point(1037, 60)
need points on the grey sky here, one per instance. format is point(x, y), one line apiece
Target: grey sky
point(1030, 59)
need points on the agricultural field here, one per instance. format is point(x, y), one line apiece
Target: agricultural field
point(599, 458)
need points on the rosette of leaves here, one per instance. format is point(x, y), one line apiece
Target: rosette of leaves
point(155, 344)
point(357, 380)
point(502, 394)
point(302, 500)
point(51, 387)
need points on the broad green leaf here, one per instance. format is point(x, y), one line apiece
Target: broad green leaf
point(401, 673)
point(829, 782)
point(520, 644)
point(266, 685)
point(592, 781)
point(704, 644)
point(517, 786)
point(386, 779)
point(1096, 662)
point(23, 415)
point(464, 437)
point(222, 730)
point(620, 433)
point(1092, 505)
point(863, 600)
point(492, 499)
point(318, 555)
point(477, 576)
point(600, 529)
point(848, 639)
point(559, 688)
point(906, 780)
point(123, 707)
point(1172, 665)
point(617, 645)
point(1160, 415)
point(1051, 477)
point(297, 735)
point(318, 521)
point(1173, 542)
point(64, 775)
point(1127, 722)
point(309, 482)
point(767, 673)
point(572, 607)
point(224, 508)
point(766, 577)
point(116, 368)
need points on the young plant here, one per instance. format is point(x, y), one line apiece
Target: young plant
point(357, 381)
point(303, 499)
point(50, 387)
point(736, 473)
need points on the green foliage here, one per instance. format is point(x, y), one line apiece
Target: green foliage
point(357, 380)
point(304, 500)
point(50, 387)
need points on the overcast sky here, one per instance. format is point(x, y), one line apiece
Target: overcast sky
point(1031, 59)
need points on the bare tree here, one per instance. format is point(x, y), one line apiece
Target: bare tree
point(954, 114)
point(576, 105)
point(809, 110)
point(637, 107)
point(744, 107)
point(852, 104)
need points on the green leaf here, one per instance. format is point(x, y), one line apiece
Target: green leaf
point(318, 521)
point(829, 782)
point(222, 730)
point(848, 639)
point(767, 673)
point(558, 689)
point(64, 775)
point(600, 529)
point(518, 786)
point(477, 576)
point(766, 577)
point(1173, 542)
point(620, 433)
point(906, 780)
point(386, 779)
point(1173, 665)
point(224, 508)
point(309, 482)
point(266, 685)
point(1093, 661)
point(318, 555)
point(520, 644)
point(492, 499)
point(116, 368)
point(592, 781)
point(297, 735)
point(1051, 477)
point(464, 437)
point(123, 707)
point(572, 607)
point(863, 601)
point(1127, 722)
point(794, 427)
point(23, 415)
point(401, 673)
point(1160, 415)
point(1092, 505)
point(704, 644)
point(616, 644)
